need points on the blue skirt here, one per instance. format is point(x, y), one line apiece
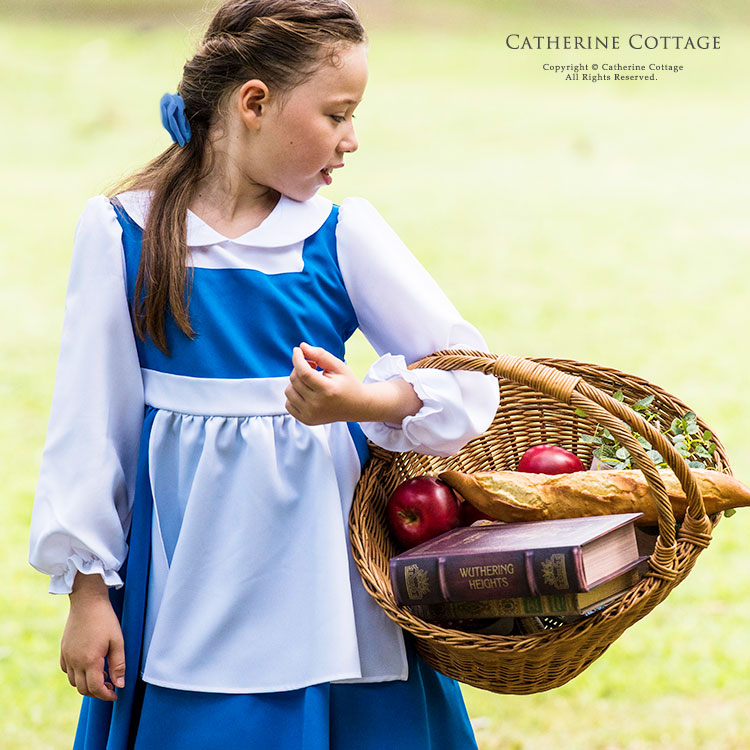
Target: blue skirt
point(424, 712)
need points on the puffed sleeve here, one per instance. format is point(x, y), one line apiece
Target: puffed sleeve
point(85, 490)
point(405, 316)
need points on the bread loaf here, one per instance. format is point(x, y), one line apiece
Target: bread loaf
point(513, 496)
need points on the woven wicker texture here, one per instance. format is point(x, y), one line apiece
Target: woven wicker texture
point(538, 402)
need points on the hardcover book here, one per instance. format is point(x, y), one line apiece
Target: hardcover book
point(498, 560)
point(529, 606)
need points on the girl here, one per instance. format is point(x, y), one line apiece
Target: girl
point(204, 443)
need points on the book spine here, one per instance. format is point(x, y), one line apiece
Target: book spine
point(556, 571)
point(416, 580)
point(527, 606)
point(428, 580)
point(432, 579)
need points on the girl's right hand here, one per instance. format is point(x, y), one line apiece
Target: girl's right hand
point(92, 633)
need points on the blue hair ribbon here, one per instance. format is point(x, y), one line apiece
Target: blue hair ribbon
point(174, 119)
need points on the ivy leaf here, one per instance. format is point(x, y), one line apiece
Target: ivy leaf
point(707, 436)
point(590, 439)
point(696, 465)
point(607, 434)
point(623, 465)
point(690, 417)
point(618, 395)
point(693, 428)
point(676, 426)
point(581, 413)
point(656, 457)
point(729, 512)
point(644, 403)
point(622, 453)
point(642, 440)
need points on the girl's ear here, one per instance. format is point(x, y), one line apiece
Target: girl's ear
point(252, 102)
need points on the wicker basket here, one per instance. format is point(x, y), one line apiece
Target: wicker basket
point(538, 402)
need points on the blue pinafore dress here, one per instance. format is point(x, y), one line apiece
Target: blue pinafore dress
point(247, 324)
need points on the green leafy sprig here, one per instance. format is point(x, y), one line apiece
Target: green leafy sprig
point(695, 446)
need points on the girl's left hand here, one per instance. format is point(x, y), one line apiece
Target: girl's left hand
point(335, 394)
point(331, 394)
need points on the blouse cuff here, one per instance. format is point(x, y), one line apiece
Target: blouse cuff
point(62, 583)
point(432, 430)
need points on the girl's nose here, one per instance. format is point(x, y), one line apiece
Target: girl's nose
point(349, 142)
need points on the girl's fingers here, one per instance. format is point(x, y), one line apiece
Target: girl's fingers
point(63, 665)
point(75, 678)
point(294, 396)
point(323, 358)
point(88, 680)
point(307, 355)
point(116, 661)
point(95, 686)
point(293, 410)
point(299, 383)
point(304, 371)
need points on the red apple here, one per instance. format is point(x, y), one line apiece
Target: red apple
point(549, 459)
point(469, 514)
point(422, 508)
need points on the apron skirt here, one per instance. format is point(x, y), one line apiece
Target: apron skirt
point(424, 712)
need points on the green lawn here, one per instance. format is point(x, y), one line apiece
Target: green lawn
point(605, 222)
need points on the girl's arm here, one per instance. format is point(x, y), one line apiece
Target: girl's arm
point(405, 316)
point(86, 481)
point(84, 494)
point(334, 393)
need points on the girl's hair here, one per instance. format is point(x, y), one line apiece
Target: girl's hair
point(281, 42)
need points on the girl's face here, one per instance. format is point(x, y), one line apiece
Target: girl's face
point(299, 140)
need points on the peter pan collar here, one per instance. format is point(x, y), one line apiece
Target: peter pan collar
point(289, 222)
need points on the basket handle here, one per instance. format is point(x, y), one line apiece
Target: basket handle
point(615, 416)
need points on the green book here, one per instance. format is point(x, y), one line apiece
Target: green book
point(528, 606)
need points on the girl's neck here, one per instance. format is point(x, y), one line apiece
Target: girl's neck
point(230, 206)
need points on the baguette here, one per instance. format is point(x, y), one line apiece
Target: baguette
point(513, 496)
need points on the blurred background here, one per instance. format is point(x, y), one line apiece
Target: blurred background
point(605, 222)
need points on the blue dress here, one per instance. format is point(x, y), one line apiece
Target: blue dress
point(247, 323)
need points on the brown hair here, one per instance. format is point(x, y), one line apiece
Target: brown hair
point(282, 42)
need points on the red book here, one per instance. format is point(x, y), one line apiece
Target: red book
point(569, 555)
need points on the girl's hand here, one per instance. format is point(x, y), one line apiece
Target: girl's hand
point(335, 394)
point(91, 633)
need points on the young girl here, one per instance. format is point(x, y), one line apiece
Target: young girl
point(204, 441)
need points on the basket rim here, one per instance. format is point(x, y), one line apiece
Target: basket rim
point(616, 617)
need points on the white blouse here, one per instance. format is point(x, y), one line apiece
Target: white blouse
point(253, 556)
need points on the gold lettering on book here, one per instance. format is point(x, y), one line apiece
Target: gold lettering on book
point(482, 571)
point(417, 584)
point(553, 571)
point(488, 583)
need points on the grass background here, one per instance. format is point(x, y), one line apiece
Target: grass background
point(605, 222)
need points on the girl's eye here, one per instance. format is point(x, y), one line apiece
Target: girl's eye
point(338, 118)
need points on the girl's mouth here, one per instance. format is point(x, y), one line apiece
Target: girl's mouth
point(326, 176)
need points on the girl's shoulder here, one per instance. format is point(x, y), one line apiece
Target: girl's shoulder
point(359, 220)
point(99, 215)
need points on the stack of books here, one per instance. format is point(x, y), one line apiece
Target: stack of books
point(567, 567)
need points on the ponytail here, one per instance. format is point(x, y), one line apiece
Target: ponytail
point(282, 42)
